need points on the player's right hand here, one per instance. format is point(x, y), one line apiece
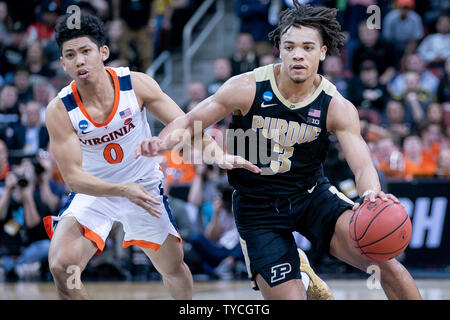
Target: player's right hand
point(137, 194)
point(150, 147)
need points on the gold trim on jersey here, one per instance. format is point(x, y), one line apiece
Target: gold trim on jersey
point(267, 73)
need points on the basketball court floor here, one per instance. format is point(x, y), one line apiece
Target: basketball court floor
point(343, 289)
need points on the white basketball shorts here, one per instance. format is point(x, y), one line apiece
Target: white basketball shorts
point(97, 214)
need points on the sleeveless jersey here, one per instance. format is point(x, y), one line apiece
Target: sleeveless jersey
point(108, 148)
point(288, 141)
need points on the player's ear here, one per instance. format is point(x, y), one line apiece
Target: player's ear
point(104, 52)
point(323, 53)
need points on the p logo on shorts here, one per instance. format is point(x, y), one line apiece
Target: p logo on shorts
point(279, 272)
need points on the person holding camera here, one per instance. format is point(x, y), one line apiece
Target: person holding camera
point(29, 194)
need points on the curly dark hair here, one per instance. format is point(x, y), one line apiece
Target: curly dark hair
point(90, 26)
point(320, 18)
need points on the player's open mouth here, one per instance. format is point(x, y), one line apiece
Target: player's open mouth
point(298, 68)
point(83, 74)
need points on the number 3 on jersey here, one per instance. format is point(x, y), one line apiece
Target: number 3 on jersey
point(113, 153)
point(283, 164)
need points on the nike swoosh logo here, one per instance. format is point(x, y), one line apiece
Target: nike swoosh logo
point(312, 189)
point(85, 132)
point(267, 105)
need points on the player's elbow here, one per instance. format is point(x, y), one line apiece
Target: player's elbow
point(72, 181)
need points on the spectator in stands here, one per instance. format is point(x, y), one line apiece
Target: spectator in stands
point(254, 18)
point(403, 27)
point(433, 138)
point(415, 97)
point(43, 93)
point(443, 91)
point(435, 114)
point(196, 93)
point(36, 63)
point(161, 23)
point(179, 174)
point(29, 137)
point(244, 59)
point(443, 169)
point(203, 191)
point(389, 158)
point(135, 15)
point(435, 48)
point(222, 72)
point(397, 120)
point(417, 162)
point(267, 59)
point(413, 62)
point(367, 92)
point(43, 29)
point(333, 70)
point(118, 52)
point(23, 84)
point(446, 108)
point(13, 55)
point(372, 47)
point(9, 108)
point(29, 195)
point(5, 25)
point(218, 248)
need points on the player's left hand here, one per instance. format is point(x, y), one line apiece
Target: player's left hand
point(229, 162)
point(371, 196)
point(150, 147)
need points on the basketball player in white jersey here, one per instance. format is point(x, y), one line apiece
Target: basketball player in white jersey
point(95, 124)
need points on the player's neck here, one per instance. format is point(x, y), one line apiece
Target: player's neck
point(292, 91)
point(97, 89)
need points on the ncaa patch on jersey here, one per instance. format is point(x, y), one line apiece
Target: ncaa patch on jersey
point(83, 124)
point(267, 96)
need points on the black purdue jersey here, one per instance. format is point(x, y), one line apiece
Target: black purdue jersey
point(287, 141)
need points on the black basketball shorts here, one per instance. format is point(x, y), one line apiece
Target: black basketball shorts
point(265, 226)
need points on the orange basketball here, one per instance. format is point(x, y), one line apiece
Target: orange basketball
point(380, 230)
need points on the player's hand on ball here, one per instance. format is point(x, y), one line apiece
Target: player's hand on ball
point(137, 194)
point(150, 147)
point(372, 195)
point(229, 162)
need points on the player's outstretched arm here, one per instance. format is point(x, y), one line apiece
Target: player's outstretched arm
point(343, 120)
point(65, 146)
point(179, 128)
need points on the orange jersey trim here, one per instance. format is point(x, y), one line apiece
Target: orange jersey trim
point(91, 235)
point(146, 244)
point(48, 226)
point(88, 233)
point(116, 100)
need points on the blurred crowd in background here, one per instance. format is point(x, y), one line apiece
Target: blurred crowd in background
point(397, 76)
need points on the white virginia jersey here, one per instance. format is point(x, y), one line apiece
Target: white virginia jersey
point(109, 148)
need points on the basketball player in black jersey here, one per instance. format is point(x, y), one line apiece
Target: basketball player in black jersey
point(293, 109)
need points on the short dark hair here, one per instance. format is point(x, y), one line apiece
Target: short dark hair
point(320, 18)
point(90, 26)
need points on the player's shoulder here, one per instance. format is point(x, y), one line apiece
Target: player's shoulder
point(242, 83)
point(143, 84)
point(56, 114)
point(55, 106)
point(341, 112)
